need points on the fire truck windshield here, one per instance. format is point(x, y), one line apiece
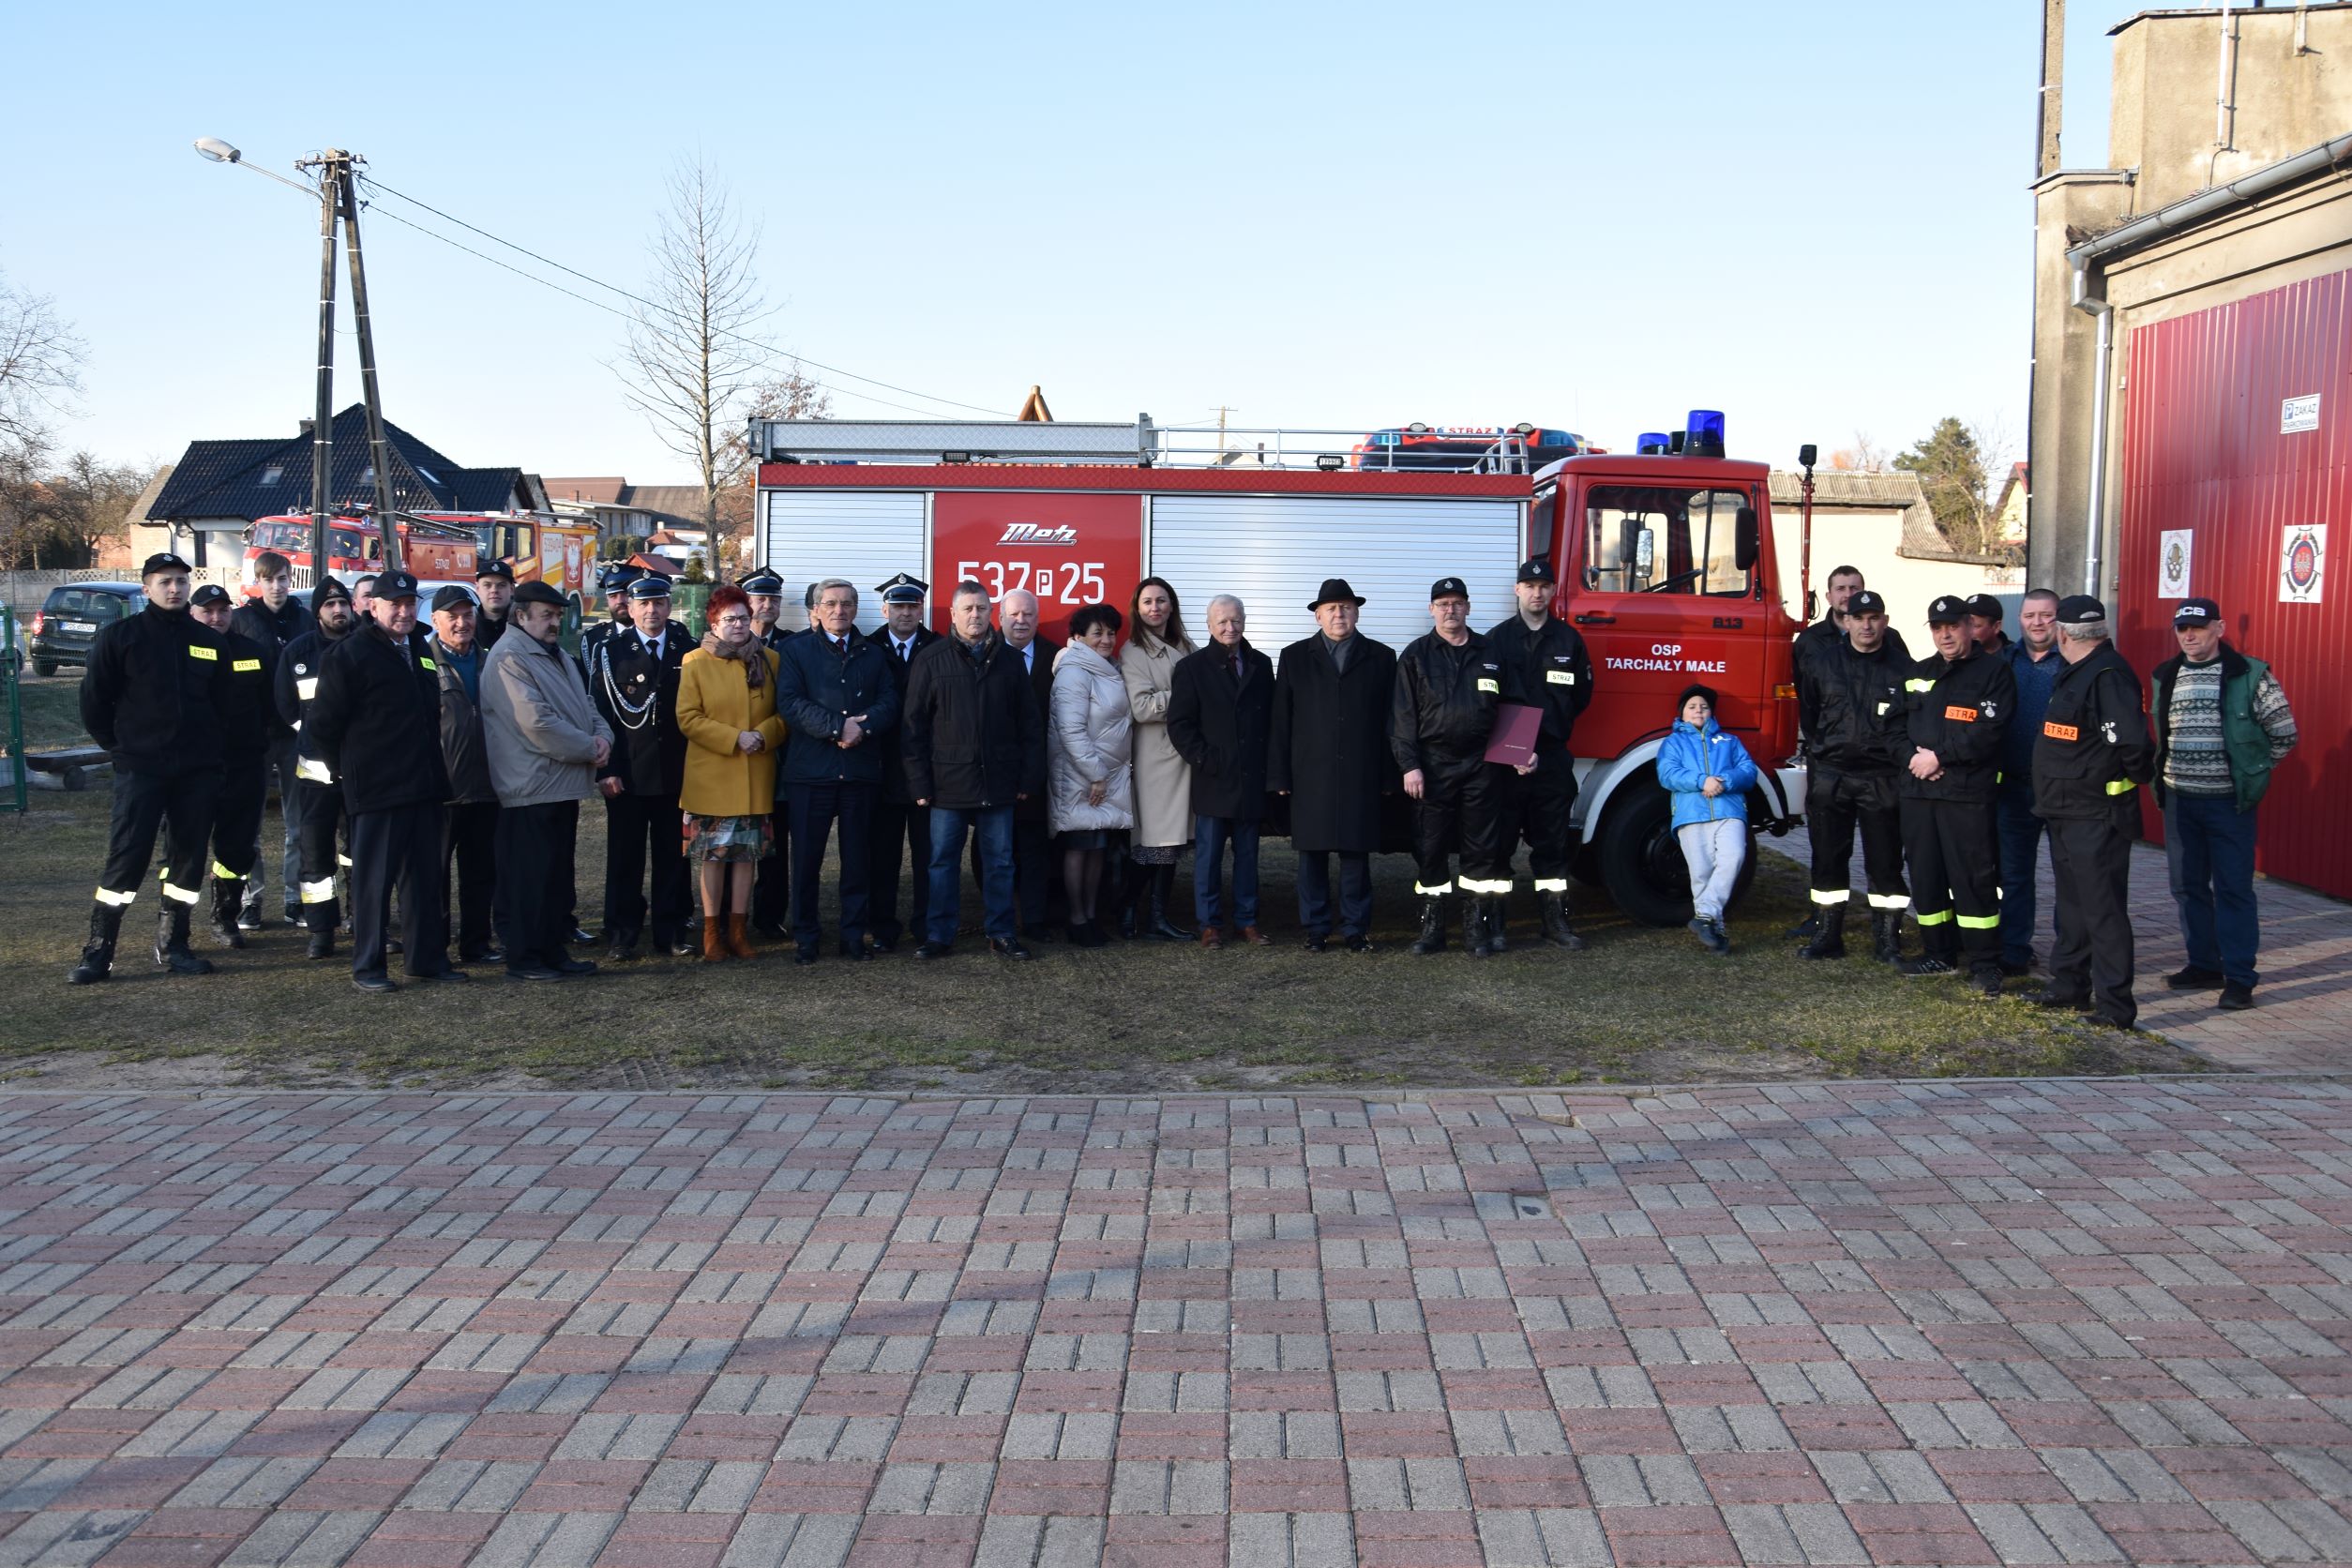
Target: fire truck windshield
point(343, 543)
point(1665, 539)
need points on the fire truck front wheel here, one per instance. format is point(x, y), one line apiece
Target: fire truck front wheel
point(1641, 864)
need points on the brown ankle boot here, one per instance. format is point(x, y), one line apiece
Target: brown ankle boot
point(738, 939)
point(714, 942)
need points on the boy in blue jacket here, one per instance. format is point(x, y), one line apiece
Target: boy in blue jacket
point(1708, 775)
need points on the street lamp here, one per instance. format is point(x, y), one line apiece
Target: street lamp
point(218, 150)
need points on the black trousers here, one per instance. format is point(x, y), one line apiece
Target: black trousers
point(639, 830)
point(1837, 804)
point(1956, 867)
point(1355, 892)
point(815, 808)
point(179, 804)
point(236, 819)
point(278, 767)
point(1462, 809)
point(469, 859)
point(1539, 805)
point(534, 877)
point(400, 847)
point(900, 830)
point(322, 823)
point(2091, 864)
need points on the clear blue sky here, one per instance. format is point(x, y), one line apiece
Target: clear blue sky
point(1811, 216)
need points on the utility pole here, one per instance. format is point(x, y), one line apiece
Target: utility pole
point(322, 416)
point(338, 202)
point(379, 455)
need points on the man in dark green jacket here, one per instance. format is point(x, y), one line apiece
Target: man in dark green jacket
point(2222, 726)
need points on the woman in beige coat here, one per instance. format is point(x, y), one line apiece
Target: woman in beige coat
point(1163, 780)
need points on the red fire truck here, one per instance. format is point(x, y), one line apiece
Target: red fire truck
point(1665, 566)
point(441, 547)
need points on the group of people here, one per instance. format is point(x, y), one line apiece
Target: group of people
point(1953, 768)
point(418, 761)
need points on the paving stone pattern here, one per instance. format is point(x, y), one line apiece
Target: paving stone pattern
point(1962, 1323)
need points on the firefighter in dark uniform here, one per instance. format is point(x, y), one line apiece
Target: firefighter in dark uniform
point(1556, 674)
point(900, 828)
point(1955, 701)
point(249, 729)
point(376, 723)
point(274, 625)
point(1854, 690)
point(2089, 764)
point(321, 812)
point(1449, 683)
point(771, 883)
point(152, 695)
point(614, 585)
point(494, 591)
point(633, 679)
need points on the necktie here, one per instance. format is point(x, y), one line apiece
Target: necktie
point(1237, 665)
point(906, 651)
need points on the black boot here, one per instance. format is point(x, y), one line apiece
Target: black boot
point(1134, 895)
point(1432, 937)
point(171, 941)
point(1474, 927)
point(97, 953)
point(1886, 936)
point(320, 918)
point(1163, 892)
point(1495, 914)
point(1552, 908)
point(1829, 940)
point(228, 900)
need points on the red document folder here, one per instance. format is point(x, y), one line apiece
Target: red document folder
point(1512, 740)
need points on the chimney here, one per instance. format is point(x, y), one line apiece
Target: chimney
point(308, 425)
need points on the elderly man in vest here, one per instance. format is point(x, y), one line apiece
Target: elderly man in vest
point(2222, 726)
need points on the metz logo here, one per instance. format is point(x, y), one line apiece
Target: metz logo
point(1038, 534)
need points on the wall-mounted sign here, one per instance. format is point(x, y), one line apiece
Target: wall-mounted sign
point(2302, 562)
point(2175, 548)
point(2298, 414)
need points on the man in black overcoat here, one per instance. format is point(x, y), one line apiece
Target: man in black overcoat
point(1330, 754)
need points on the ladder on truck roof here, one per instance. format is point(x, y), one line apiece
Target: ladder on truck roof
point(1141, 444)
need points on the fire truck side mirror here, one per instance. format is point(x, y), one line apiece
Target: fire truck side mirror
point(1744, 539)
point(1628, 541)
point(1806, 455)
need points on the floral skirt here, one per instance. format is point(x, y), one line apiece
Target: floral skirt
point(726, 839)
point(1157, 855)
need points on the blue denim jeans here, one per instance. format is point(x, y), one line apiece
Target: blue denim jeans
point(992, 829)
point(1210, 835)
point(2209, 850)
point(2021, 834)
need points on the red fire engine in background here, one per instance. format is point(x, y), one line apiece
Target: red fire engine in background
point(1664, 560)
point(441, 547)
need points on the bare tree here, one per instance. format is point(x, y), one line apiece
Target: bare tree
point(793, 395)
point(688, 363)
point(41, 365)
point(1864, 456)
point(89, 502)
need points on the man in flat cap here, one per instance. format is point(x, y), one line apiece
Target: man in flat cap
point(2089, 760)
point(633, 677)
point(900, 828)
point(376, 721)
point(1329, 753)
point(1556, 677)
point(152, 695)
point(1449, 683)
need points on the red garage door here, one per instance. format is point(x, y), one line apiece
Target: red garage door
point(2227, 464)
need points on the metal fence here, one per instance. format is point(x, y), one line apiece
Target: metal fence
point(25, 592)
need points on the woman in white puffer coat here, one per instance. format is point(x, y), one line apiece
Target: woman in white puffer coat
point(1088, 749)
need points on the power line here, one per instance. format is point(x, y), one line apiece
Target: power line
point(651, 305)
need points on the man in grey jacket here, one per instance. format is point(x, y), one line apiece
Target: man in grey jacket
point(545, 741)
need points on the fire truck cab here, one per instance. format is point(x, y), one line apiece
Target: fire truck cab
point(440, 547)
point(1665, 562)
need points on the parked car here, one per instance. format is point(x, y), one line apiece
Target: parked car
point(72, 617)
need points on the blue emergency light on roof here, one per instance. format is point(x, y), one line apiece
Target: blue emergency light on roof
point(1651, 443)
point(1702, 433)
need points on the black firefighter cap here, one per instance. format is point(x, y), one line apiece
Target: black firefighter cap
point(451, 596)
point(617, 578)
point(1538, 570)
point(653, 585)
point(763, 581)
point(492, 567)
point(2192, 612)
point(539, 593)
point(1984, 607)
point(211, 593)
point(330, 588)
point(901, 589)
point(163, 560)
point(1948, 609)
point(1448, 588)
point(2080, 609)
point(1865, 602)
point(396, 585)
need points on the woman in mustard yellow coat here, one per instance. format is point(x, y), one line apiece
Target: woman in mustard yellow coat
point(727, 707)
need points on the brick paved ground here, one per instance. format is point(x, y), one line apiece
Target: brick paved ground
point(1951, 1323)
point(2302, 1021)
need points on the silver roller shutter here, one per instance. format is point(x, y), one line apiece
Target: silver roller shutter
point(867, 536)
point(1274, 552)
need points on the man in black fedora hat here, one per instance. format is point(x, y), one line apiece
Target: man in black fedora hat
point(1329, 753)
point(1556, 678)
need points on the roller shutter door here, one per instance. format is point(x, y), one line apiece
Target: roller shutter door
point(1274, 552)
point(867, 536)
